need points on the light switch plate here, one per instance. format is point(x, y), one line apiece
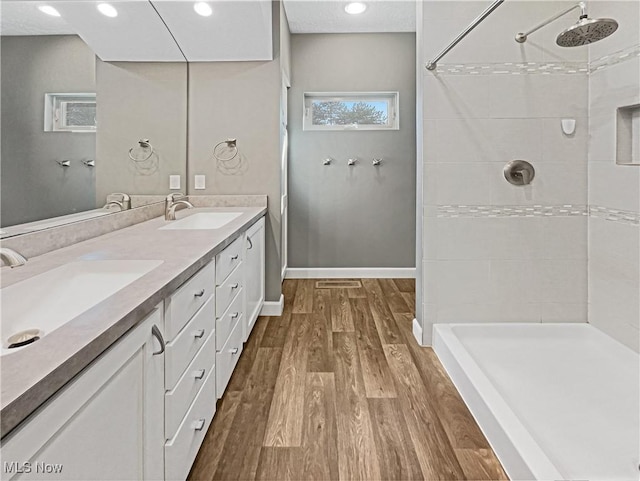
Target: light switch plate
point(199, 182)
point(174, 181)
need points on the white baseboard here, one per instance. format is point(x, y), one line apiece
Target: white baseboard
point(417, 332)
point(273, 308)
point(351, 272)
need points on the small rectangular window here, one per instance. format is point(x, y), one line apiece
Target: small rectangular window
point(351, 111)
point(74, 112)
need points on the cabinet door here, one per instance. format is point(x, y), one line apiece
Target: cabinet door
point(106, 424)
point(254, 272)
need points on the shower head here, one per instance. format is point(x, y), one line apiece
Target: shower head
point(587, 30)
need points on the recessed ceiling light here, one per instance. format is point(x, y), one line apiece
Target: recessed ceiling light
point(49, 10)
point(203, 8)
point(107, 10)
point(355, 8)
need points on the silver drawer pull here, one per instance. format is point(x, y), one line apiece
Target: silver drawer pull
point(199, 294)
point(250, 243)
point(199, 374)
point(235, 286)
point(158, 335)
point(198, 334)
point(198, 425)
point(234, 350)
point(235, 315)
point(233, 258)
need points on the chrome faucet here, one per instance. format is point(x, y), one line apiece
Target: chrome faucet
point(170, 205)
point(126, 200)
point(11, 258)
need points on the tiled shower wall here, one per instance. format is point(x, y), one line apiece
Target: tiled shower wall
point(614, 190)
point(494, 252)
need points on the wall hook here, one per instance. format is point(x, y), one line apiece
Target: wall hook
point(64, 163)
point(377, 162)
point(89, 163)
point(327, 161)
point(352, 162)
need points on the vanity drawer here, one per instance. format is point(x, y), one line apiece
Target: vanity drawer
point(184, 303)
point(226, 323)
point(180, 452)
point(228, 259)
point(186, 345)
point(226, 292)
point(178, 400)
point(227, 358)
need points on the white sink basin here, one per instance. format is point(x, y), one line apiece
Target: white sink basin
point(204, 220)
point(47, 301)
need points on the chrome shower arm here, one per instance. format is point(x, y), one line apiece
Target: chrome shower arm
point(522, 36)
point(432, 64)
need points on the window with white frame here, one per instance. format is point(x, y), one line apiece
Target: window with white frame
point(74, 112)
point(350, 111)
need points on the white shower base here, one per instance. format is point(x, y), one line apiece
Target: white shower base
point(556, 401)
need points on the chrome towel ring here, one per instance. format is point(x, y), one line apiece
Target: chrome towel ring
point(146, 146)
point(231, 145)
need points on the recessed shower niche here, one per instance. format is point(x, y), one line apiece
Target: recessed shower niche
point(628, 135)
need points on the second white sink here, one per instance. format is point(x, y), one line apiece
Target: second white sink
point(204, 220)
point(41, 304)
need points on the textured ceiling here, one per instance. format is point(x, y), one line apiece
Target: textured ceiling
point(328, 16)
point(20, 17)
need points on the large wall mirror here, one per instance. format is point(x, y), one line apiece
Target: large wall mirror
point(63, 151)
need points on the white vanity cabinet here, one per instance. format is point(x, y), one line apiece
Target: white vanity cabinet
point(106, 424)
point(229, 311)
point(254, 261)
point(190, 397)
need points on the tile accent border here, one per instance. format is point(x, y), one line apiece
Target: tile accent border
point(615, 215)
point(614, 58)
point(514, 68)
point(539, 68)
point(567, 210)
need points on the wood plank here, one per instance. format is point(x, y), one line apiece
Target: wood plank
point(284, 425)
point(241, 452)
point(378, 382)
point(405, 285)
point(320, 347)
point(303, 301)
point(281, 464)
point(480, 464)
point(410, 299)
point(385, 322)
point(276, 333)
point(213, 444)
point(322, 303)
point(341, 320)
point(289, 288)
point(398, 459)
point(393, 297)
point(319, 439)
point(457, 421)
point(357, 453)
point(436, 456)
point(248, 356)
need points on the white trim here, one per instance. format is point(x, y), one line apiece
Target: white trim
point(273, 308)
point(350, 272)
point(417, 332)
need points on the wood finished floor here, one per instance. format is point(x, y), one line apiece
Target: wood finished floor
point(338, 389)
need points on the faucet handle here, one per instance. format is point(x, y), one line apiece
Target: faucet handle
point(172, 197)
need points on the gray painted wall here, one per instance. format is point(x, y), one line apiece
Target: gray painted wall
point(140, 100)
point(360, 216)
point(34, 186)
point(241, 100)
